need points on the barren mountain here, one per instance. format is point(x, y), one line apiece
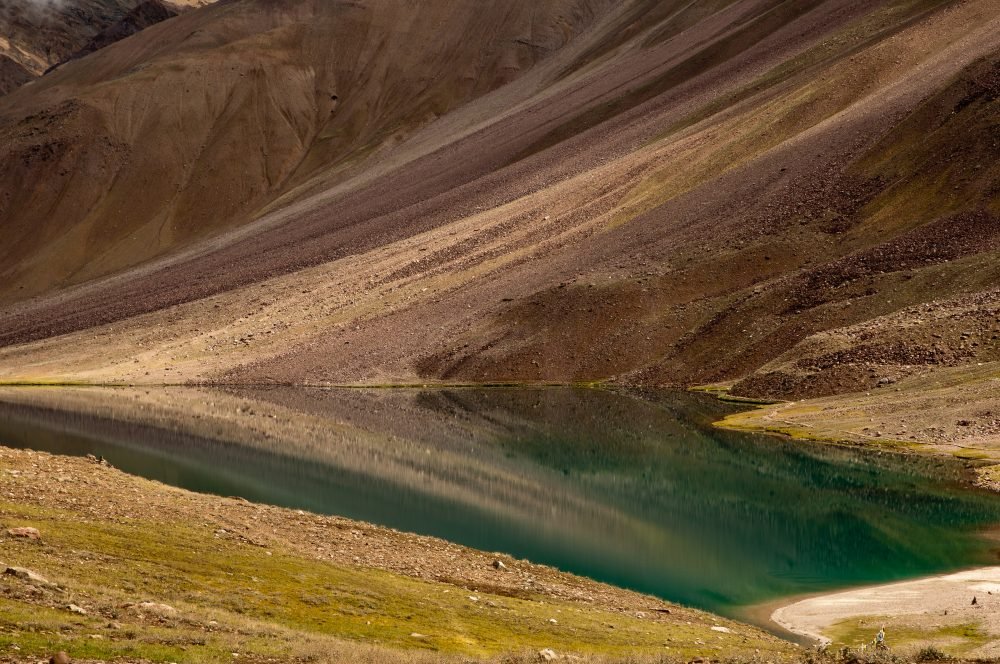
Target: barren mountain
point(37, 35)
point(12, 75)
point(568, 190)
point(140, 17)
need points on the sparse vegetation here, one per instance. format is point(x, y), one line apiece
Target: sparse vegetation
point(797, 200)
point(930, 654)
point(258, 581)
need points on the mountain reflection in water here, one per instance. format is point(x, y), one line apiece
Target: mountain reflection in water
point(635, 490)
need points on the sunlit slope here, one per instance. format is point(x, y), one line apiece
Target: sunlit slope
point(674, 193)
point(194, 125)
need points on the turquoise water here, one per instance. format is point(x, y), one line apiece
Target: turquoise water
point(635, 490)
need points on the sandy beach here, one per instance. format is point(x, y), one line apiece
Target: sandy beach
point(936, 610)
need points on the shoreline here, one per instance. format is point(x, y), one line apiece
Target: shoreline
point(933, 610)
point(982, 470)
point(789, 628)
point(948, 413)
point(242, 577)
point(826, 625)
point(761, 615)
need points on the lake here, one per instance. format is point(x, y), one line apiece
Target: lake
point(637, 490)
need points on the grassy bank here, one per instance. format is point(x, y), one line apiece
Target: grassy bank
point(137, 571)
point(947, 412)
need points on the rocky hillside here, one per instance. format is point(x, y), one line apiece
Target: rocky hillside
point(12, 75)
point(140, 17)
point(38, 35)
point(573, 190)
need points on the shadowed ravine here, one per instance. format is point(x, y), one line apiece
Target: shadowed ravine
point(638, 491)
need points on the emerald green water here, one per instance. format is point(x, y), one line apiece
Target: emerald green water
point(638, 491)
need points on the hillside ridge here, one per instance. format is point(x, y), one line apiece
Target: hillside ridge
point(642, 192)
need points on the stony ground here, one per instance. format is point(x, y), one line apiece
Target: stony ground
point(879, 353)
point(651, 192)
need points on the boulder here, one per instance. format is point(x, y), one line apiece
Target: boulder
point(547, 655)
point(26, 574)
point(157, 608)
point(25, 533)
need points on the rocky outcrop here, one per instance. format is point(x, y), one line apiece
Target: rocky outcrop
point(149, 12)
point(12, 75)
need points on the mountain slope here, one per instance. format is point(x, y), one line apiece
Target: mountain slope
point(642, 191)
point(137, 19)
point(12, 75)
point(158, 141)
point(38, 35)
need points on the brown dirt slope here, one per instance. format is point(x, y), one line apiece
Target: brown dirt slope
point(12, 75)
point(140, 17)
point(42, 33)
point(39, 34)
point(114, 159)
point(880, 352)
point(642, 191)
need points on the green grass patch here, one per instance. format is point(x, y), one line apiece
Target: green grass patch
point(266, 601)
point(956, 640)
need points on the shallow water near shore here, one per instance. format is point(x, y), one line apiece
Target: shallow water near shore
point(637, 490)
